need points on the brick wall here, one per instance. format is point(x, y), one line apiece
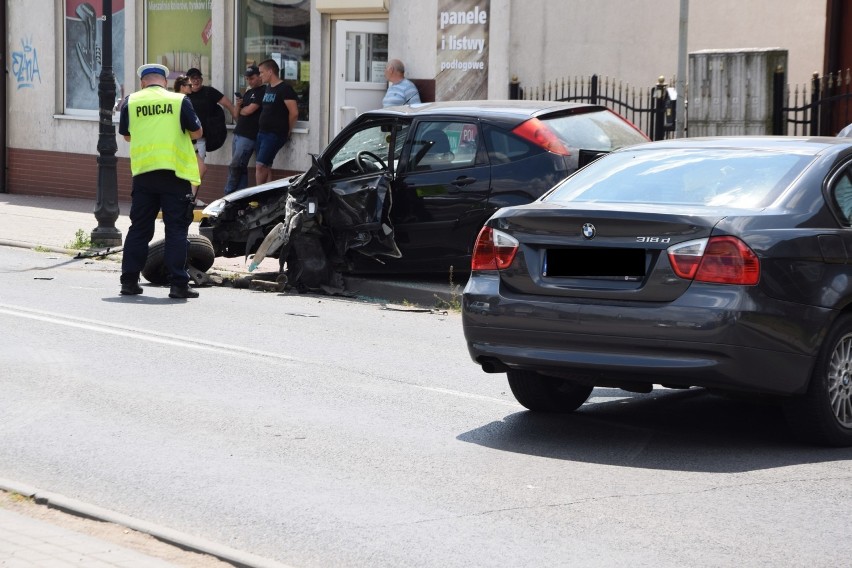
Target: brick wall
point(63, 174)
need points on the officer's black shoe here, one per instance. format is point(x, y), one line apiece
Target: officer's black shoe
point(182, 292)
point(130, 285)
point(131, 289)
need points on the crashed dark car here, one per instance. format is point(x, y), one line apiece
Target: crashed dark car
point(421, 181)
point(723, 263)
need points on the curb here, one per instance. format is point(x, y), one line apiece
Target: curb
point(175, 538)
point(21, 244)
point(425, 294)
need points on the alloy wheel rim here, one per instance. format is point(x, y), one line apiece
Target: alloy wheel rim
point(840, 381)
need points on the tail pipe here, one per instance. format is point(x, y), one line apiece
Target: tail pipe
point(491, 365)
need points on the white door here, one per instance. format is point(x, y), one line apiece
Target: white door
point(358, 75)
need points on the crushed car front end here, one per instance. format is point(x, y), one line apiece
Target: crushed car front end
point(239, 221)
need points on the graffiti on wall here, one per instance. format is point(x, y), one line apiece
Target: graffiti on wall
point(25, 65)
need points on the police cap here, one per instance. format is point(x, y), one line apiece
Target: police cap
point(149, 68)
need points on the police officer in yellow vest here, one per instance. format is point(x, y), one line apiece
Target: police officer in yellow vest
point(160, 126)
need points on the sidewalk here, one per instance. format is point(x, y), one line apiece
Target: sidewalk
point(52, 222)
point(49, 530)
point(26, 542)
point(32, 221)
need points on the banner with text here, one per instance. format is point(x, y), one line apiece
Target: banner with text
point(462, 72)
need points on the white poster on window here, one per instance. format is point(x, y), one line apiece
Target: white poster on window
point(291, 69)
point(377, 71)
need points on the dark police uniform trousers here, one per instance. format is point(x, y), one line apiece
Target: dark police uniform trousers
point(153, 191)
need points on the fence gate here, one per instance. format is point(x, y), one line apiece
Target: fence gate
point(821, 109)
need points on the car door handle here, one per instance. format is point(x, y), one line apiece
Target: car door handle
point(463, 181)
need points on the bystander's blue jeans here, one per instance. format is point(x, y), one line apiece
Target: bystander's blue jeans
point(242, 149)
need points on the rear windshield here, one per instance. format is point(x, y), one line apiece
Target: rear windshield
point(711, 177)
point(598, 130)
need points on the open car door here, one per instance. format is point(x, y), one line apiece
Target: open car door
point(359, 174)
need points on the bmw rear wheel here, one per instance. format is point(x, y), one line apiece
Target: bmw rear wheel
point(547, 394)
point(824, 414)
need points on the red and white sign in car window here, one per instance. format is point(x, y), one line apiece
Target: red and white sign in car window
point(468, 134)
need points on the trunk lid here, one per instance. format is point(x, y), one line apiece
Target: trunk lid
point(600, 253)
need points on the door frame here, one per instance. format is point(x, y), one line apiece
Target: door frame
point(337, 83)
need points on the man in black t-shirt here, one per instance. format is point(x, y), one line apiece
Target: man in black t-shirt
point(278, 116)
point(203, 99)
point(245, 132)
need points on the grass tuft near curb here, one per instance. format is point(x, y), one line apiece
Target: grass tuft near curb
point(454, 302)
point(82, 241)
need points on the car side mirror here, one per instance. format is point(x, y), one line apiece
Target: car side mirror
point(318, 166)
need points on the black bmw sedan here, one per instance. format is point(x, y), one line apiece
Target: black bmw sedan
point(723, 263)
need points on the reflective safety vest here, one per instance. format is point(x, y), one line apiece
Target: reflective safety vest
point(157, 141)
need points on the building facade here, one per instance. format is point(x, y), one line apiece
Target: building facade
point(334, 52)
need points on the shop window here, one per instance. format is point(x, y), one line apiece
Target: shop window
point(179, 35)
point(83, 57)
point(268, 29)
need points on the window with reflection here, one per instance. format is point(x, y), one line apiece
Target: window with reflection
point(842, 189)
point(84, 21)
point(278, 30)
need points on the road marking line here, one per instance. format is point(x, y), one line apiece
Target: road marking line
point(143, 334)
point(211, 346)
point(467, 395)
point(222, 348)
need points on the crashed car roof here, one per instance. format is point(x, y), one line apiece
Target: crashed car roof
point(520, 110)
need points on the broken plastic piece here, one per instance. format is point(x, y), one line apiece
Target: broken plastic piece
point(270, 244)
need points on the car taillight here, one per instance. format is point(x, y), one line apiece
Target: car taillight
point(540, 134)
point(720, 260)
point(494, 250)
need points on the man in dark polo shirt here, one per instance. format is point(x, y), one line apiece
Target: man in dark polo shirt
point(245, 132)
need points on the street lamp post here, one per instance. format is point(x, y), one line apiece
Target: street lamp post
point(106, 205)
point(682, 55)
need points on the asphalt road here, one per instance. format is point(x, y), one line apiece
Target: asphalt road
point(325, 432)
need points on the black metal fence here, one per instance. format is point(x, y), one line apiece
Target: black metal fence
point(821, 108)
point(644, 107)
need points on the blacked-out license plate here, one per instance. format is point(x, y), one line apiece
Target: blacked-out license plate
point(600, 263)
